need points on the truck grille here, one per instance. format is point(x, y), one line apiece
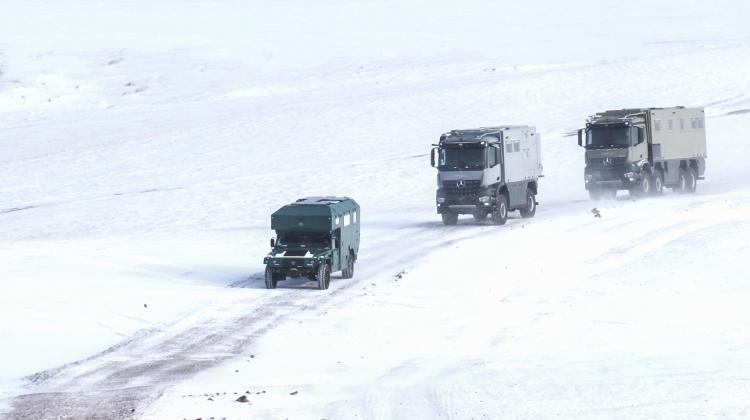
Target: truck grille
point(462, 188)
point(293, 262)
point(607, 162)
point(461, 192)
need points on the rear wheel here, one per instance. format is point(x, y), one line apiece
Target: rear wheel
point(271, 279)
point(691, 180)
point(658, 183)
point(449, 218)
point(682, 181)
point(530, 209)
point(500, 213)
point(348, 271)
point(323, 277)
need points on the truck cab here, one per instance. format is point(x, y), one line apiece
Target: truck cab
point(315, 236)
point(487, 171)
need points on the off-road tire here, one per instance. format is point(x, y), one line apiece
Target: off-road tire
point(530, 209)
point(449, 218)
point(682, 182)
point(480, 216)
point(691, 179)
point(644, 187)
point(499, 214)
point(657, 185)
point(271, 279)
point(323, 277)
point(348, 271)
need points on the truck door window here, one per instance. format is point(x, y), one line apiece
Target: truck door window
point(497, 154)
point(657, 125)
point(508, 148)
point(669, 124)
point(347, 219)
point(516, 147)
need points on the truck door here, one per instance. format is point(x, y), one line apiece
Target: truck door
point(514, 172)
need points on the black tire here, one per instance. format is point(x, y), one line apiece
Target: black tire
point(449, 218)
point(691, 179)
point(499, 214)
point(323, 277)
point(271, 279)
point(530, 209)
point(644, 187)
point(480, 216)
point(348, 271)
point(657, 183)
point(595, 194)
point(682, 181)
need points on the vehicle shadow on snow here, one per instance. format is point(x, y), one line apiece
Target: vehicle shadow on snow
point(257, 281)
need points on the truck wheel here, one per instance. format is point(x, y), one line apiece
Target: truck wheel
point(348, 271)
point(323, 277)
point(691, 180)
point(449, 218)
point(682, 181)
point(530, 209)
point(270, 279)
point(643, 188)
point(658, 183)
point(500, 213)
point(595, 194)
point(480, 216)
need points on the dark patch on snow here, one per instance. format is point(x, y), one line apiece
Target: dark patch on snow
point(738, 112)
point(242, 399)
point(14, 209)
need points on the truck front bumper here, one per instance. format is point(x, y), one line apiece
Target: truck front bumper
point(292, 266)
point(485, 203)
point(623, 182)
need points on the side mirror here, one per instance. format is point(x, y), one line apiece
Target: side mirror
point(273, 243)
point(432, 157)
point(580, 137)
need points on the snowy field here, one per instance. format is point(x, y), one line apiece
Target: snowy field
point(144, 146)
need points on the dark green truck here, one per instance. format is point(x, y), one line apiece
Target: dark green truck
point(315, 236)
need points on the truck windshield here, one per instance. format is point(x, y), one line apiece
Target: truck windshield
point(464, 158)
point(600, 137)
point(304, 241)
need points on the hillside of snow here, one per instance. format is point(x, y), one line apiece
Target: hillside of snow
point(144, 146)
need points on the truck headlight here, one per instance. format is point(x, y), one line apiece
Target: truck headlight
point(630, 175)
point(441, 199)
point(485, 199)
point(589, 177)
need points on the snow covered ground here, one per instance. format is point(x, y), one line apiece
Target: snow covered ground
point(141, 163)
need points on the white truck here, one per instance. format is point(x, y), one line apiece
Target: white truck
point(643, 150)
point(487, 171)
